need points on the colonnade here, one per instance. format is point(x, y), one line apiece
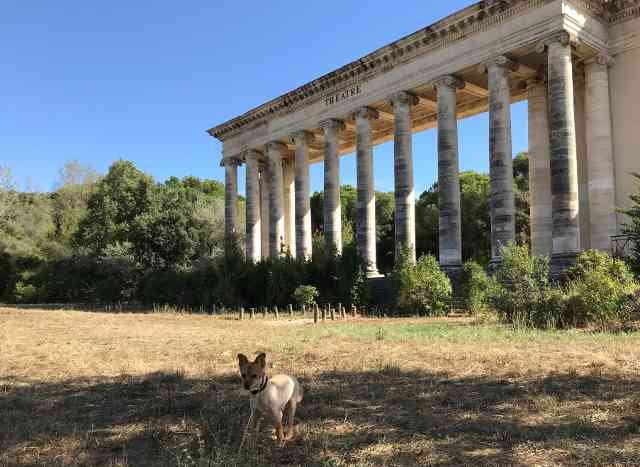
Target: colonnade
point(277, 183)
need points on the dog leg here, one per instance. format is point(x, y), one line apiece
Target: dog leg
point(280, 433)
point(290, 412)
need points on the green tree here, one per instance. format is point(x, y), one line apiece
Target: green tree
point(123, 195)
point(69, 201)
point(632, 226)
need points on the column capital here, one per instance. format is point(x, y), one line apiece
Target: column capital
point(302, 136)
point(252, 155)
point(562, 38)
point(403, 98)
point(332, 124)
point(449, 81)
point(366, 113)
point(277, 146)
point(234, 161)
point(499, 61)
point(603, 59)
point(540, 78)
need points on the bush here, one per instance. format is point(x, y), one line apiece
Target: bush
point(477, 287)
point(523, 295)
point(600, 291)
point(422, 287)
point(306, 295)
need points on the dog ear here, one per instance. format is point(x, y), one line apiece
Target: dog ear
point(262, 360)
point(242, 359)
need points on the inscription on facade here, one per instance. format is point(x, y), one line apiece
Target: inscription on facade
point(343, 95)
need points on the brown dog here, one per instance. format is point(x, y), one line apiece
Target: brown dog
point(273, 397)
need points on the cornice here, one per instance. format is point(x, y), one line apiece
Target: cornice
point(474, 19)
point(623, 10)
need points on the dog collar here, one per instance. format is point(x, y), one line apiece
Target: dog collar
point(265, 380)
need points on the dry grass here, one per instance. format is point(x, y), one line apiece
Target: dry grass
point(160, 389)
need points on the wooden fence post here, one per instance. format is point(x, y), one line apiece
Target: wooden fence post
point(241, 313)
point(304, 311)
point(324, 313)
point(354, 311)
point(264, 312)
point(252, 313)
point(333, 313)
point(276, 312)
point(291, 311)
point(315, 314)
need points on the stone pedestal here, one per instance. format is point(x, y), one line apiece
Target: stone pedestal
point(332, 206)
point(276, 152)
point(253, 234)
point(450, 238)
point(405, 223)
point(366, 215)
point(503, 211)
point(302, 139)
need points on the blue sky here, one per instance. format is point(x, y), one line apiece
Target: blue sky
point(143, 80)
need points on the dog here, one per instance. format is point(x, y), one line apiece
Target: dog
point(274, 397)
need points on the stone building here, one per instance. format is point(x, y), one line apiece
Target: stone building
point(575, 61)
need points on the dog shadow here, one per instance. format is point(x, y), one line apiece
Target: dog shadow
point(386, 417)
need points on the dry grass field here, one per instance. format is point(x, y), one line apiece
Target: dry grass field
point(163, 389)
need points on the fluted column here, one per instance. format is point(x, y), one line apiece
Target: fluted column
point(302, 139)
point(403, 174)
point(253, 234)
point(450, 239)
point(539, 169)
point(265, 220)
point(288, 177)
point(600, 153)
point(276, 152)
point(366, 205)
point(564, 164)
point(230, 199)
point(332, 207)
point(503, 210)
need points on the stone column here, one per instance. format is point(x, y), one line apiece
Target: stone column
point(564, 165)
point(600, 153)
point(302, 139)
point(288, 177)
point(276, 152)
point(450, 238)
point(503, 210)
point(403, 174)
point(332, 207)
point(539, 169)
point(366, 216)
point(230, 199)
point(264, 207)
point(253, 245)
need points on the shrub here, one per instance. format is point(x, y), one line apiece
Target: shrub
point(522, 296)
point(600, 291)
point(422, 287)
point(476, 287)
point(306, 295)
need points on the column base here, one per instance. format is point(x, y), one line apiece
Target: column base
point(373, 273)
point(560, 263)
point(494, 264)
point(454, 272)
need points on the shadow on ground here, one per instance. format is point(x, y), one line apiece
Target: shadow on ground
point(386, 417)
